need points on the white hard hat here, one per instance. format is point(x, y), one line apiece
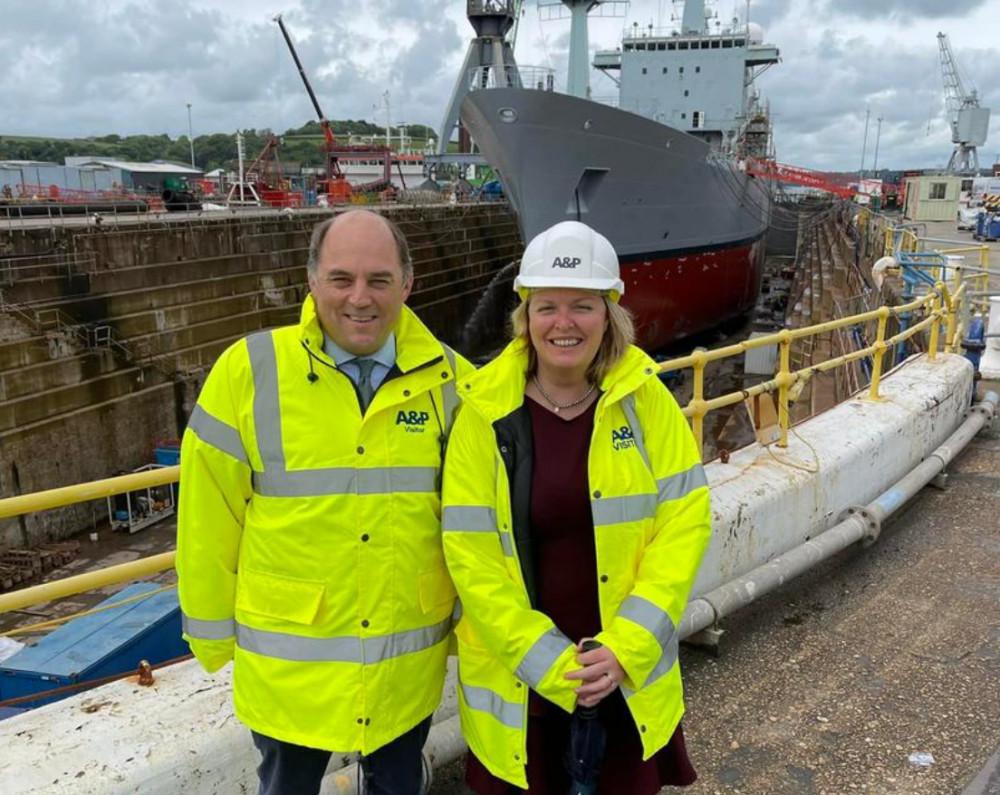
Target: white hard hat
point(570, 254)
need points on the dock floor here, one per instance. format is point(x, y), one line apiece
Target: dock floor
point(828, 686)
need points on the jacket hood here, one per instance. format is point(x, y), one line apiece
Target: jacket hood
point(497, 389)
point(415, 345)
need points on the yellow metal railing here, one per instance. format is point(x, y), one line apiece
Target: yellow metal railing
point(937, 303)
point(941, 306)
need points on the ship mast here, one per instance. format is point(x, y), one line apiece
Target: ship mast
point(578, 79)
point(578, 82)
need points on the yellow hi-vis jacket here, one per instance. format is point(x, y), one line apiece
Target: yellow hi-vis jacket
point(649, 500)
point(309, 538)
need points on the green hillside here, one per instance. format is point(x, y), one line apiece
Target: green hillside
point(211, 151)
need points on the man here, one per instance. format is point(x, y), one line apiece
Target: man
point(309, 540)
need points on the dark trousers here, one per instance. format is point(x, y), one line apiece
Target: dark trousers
point(394, 769)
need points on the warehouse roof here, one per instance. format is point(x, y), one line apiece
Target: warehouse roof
point(158, 167)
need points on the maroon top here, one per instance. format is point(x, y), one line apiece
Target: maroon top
point(562, 535)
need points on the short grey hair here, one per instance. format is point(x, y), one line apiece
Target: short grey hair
point(402, 247)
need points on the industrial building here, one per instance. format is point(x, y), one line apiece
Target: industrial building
point(138, 176)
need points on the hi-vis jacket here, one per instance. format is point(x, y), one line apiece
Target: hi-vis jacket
point(309, 540)
point(649, 499)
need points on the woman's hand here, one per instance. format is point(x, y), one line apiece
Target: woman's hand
point(601, 674)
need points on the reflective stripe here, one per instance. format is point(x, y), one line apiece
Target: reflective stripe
point(468, 519)
point(399, 643)
point(650, 617)
point(296, 648)
point(683, 483)
point(217, 434)
point(657, 622)
point(266, 413)
point(198, 629)
point(615, 510)
point(367, 651)
point(541, 657)
point(330, 482)
point(449, 392)
point(628, 406)
point(667, 661)
point(484, 700)
point(507, 544)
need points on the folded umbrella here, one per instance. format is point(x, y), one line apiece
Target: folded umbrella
point(587, 741)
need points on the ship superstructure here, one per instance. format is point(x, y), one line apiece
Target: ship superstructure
point(693, 79)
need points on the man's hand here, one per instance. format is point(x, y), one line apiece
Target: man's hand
point(601, 674)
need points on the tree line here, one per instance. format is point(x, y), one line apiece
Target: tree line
point(210, 151)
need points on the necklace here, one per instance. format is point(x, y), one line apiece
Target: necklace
point(557, 406)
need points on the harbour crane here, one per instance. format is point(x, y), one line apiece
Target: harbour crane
point(489, 60)
point(336, 184)
point(968, 120)
point(336, 187)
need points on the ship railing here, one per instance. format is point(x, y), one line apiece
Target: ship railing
point(611, 100)
point(540, 78)
point(553, 11)
point(940, 307)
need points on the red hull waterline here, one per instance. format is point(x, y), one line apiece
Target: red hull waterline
point(676, 296)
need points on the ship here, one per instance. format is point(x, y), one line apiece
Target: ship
point(658, 169)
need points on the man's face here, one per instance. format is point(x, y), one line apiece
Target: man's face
point(358, 284)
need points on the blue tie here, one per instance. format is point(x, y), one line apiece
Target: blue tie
point(365, 389)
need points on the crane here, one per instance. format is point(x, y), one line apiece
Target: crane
point(968, 120)
point(336, 182)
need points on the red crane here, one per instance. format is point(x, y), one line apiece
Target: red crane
point(768, 169)
point(336, 185)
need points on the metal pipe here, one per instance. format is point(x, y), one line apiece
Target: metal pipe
point(68, 495)
point(860, 524)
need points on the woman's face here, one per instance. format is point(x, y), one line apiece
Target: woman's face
point(566, 327)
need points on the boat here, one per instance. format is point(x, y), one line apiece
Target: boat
point(659, 171)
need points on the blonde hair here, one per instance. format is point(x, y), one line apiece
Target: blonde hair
point(619, 334)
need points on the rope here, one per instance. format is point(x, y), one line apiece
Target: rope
point(55, 622)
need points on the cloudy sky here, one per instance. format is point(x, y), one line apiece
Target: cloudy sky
point(75, 68)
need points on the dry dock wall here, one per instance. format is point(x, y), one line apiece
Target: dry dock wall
point(181, 735)
point(172, 294)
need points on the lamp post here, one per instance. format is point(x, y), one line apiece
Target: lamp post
point(864, 147)
point(878, 135)
point(190, 135)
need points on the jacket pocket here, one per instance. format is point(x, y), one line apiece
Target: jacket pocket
point(279, 597)
point(436, 589)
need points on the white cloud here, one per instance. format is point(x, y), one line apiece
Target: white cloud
point(87, 67)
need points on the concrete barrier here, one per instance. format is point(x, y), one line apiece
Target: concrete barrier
point(181, 735)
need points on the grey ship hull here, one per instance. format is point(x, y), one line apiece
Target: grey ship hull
point(688, 227)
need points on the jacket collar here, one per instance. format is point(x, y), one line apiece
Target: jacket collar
point(497, 389)
point(416, 347)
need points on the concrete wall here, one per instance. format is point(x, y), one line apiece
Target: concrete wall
point(186, 290)
point(88, 444)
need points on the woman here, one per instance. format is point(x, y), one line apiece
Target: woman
point(575, 507)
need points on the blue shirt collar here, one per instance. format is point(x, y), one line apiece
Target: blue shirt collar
point(386, 355)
